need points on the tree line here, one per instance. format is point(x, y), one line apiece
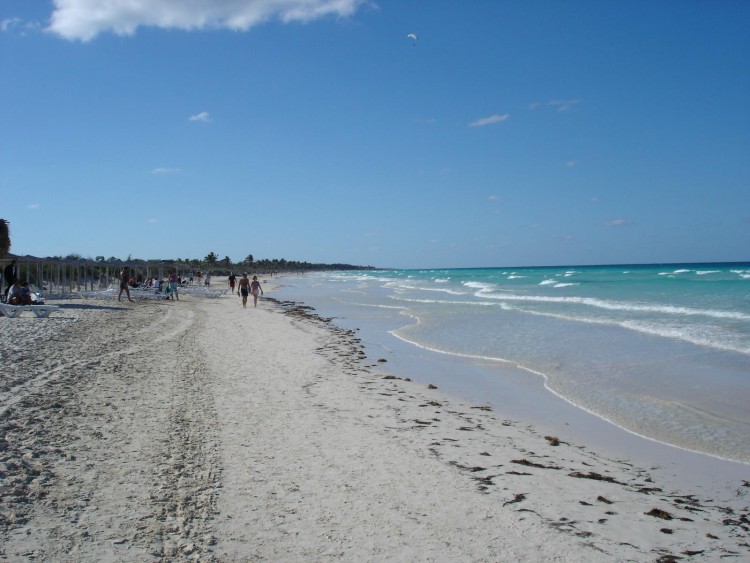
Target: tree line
point(265, 265)
point(211, 262)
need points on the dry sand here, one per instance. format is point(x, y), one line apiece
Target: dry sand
point(198, 430)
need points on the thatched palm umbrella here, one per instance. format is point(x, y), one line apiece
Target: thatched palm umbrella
point(4, 238)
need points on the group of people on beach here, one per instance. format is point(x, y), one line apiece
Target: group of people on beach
point(245, 288)
point(173, 281)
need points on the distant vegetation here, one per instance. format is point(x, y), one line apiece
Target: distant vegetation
point(212, 263)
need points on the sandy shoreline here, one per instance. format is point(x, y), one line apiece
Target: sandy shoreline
point(196, 430)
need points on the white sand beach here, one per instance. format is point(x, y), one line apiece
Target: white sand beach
point(199, 430)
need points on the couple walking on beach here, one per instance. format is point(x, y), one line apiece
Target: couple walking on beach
point(247, 287)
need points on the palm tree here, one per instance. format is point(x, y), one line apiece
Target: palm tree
point(211, 259)
point(4, 237)
point(249, 260)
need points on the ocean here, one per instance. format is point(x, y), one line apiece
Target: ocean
point(662, 351)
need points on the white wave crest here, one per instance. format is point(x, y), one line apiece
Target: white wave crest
point(619, 306)
point(480, 286)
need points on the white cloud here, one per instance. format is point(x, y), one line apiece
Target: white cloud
point(570, 163)
point(152, 221)
point(33, 206)
point(9, 23)
point(85, 19)
point(564, 105)
point(489, 120)
point(617, 223)
point(164, 170)
point(17, 25)
point(203, 117)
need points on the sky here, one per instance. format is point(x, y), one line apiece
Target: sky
point(509, 133)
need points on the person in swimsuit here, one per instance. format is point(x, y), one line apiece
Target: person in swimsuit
point(232, 281)
point(244, 289)
point(173, 286)
point(124, 275)
point(255, 290)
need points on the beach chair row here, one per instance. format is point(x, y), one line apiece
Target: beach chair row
point(39, 311)
point(135, 293)
point(202, 291)
point(151, 293)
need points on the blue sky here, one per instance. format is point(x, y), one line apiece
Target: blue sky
point(510, 133)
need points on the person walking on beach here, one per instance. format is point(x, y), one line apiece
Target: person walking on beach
point(124, 275)
point(173, 286)
point(244, 289)
point(232, 280)
point(255, 290)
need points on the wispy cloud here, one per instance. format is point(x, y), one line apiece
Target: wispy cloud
point(33, 206)
point(9, 23)
point(490, 120)
point(164, 170)
point(85, 19)
point(203, 117)
point(17, 25)
point(570, 164)
point(618, 223)
point(564, 105)
point(447, 171)
point(151, 221)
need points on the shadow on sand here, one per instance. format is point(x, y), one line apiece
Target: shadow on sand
point(89, 307)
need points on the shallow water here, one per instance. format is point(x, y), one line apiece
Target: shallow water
point(662, 351)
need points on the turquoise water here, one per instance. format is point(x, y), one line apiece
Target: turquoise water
point(660, 350)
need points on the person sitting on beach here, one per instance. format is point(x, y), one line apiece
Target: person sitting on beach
point(255, 289)
point(25, 294)
point(124, 275)
point(18, 294)
point(244, 289)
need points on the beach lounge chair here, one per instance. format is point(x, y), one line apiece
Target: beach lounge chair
point(13, 311)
